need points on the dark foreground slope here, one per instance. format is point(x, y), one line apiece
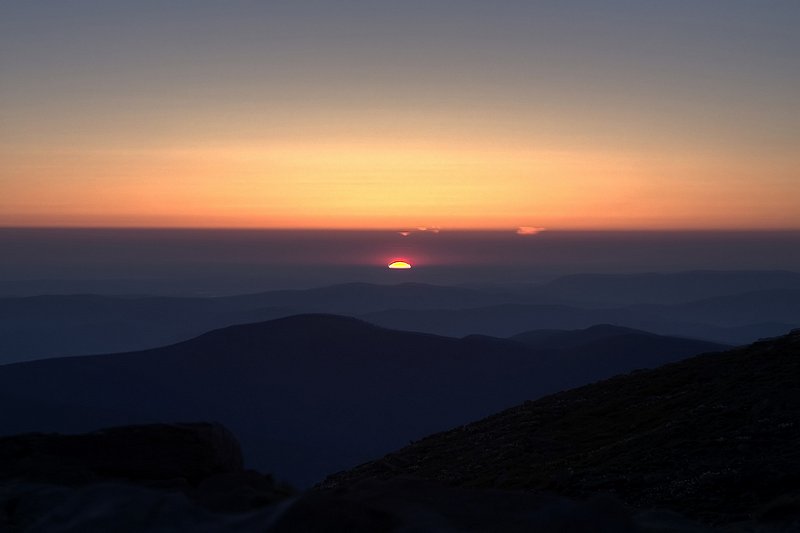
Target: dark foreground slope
point(189, 477)
point(715, 437)
point(306, 395)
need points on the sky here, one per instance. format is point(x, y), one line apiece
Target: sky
point(186, 261)
point(372, 114)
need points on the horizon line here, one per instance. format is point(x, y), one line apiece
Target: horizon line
point(412, 230)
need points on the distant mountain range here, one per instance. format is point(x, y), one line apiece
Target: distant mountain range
point(734, 319)
point(308, 395)
point(713, 437)
point(48, 326)
point(726, 307)
point(658, 288)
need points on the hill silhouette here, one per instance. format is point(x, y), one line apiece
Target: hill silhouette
point(306, 395)
point(776, 305)
point(714, 437)
point(725, 307)
point(659, 288)
point(732, 319)
point(359, 297)
point(560, 338)
point(57, 325)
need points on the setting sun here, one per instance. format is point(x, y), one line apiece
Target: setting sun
point(399, 265)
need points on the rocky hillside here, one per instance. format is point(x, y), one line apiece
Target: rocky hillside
point(715, 437)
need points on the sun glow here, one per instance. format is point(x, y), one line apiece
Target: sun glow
point(351, 183)
point(399, 265)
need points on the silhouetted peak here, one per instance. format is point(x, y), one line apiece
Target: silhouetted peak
point(316, 319)
point(570, 338)
point(309, 323)
point(135, 453)
point(612, 329)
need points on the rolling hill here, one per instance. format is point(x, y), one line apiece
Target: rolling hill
point(756, 304)
point(307, 395)
point(658, 288)
point(49, 326)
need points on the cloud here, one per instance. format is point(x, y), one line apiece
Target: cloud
point(404, 233)
point(529, 230)
point(431, 229)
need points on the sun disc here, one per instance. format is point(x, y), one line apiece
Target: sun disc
point(399, 265)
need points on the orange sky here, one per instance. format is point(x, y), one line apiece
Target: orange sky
point(375, 116)
point(374, 184)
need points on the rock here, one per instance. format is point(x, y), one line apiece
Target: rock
point(406, 505)
point(170, 477)
point(117, 508)
point(239, 491)
point(159, 454)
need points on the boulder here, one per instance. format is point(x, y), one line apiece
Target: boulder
point(150, 454)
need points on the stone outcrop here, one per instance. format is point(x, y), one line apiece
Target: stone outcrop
point(145, 453)
point(132, 478)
